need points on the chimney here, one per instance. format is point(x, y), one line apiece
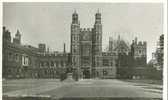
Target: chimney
point(64, 48)
point(136, 40)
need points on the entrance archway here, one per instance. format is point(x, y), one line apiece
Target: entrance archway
point(86, 74)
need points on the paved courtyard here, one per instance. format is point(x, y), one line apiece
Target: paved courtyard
point(82, 89)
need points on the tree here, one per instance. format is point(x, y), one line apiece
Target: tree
point(160, 51)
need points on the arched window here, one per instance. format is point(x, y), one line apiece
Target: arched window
point(52, 63)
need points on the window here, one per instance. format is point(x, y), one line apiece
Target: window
point(74, 38)
point(42, 64)
point(97, 38)
point(85, 61)
point(111, 63)
point(105, 72)
point(10, 56)
point(105, 62)
point(52, 63)
point(139, 51)
point(74, 50)
point(47, 63)
point(62, 63)
point(16, 57)
point(74, 61)
point(56, 64)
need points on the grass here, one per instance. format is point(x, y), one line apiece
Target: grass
point(145, 81)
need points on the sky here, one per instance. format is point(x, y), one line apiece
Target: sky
point(49, 23)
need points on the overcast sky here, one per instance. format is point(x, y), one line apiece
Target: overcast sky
point(50, 22)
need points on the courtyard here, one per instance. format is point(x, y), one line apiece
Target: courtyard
point(53, 89)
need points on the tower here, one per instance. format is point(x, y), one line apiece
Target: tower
point(17, 39)
point(42, 47)
point(75, 42)
point(97, 41)
point(138, 51)
point(97, 45)
point(6, 35)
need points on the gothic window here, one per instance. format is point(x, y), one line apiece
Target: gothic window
point(24, 62)
point(74, 60)
point(111, 63)
point(42, 64)
point(77, 38)
point(62, 63)
point(98, 38)
point(52, 63)
point(105, 62)
point(74, 50)
point(139, 51)
point(85, 50)
point(16, 57)
point(105, 72)
point(85, 61)
point(47, 63)
point(56, 63)
point(29, 61)
point(10, 56)
point(97, 63)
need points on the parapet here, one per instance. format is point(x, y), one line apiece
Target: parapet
point(141, 43)
point(85, 29)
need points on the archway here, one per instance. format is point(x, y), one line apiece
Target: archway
point(86, 74)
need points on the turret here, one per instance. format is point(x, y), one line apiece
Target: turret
point(42, 47)
point(97, 41)
point(138, 48)
point(75, 44)
point(75, 18)
point(17, 39)
point(6, 35)
point(98, 17)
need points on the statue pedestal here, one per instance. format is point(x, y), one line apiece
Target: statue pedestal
point(69, 78)
point(69, 75)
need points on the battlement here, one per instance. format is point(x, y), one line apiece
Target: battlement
point(139, 43)
point(85, 29)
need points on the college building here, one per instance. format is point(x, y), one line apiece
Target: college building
point(86, 57)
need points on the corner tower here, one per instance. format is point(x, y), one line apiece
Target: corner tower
point(75, 42)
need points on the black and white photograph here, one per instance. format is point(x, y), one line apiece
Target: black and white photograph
point(83, 51)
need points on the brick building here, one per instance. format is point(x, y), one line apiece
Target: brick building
point(131, 59)
point(86, 50)
point(86, 58)
point(26, 61)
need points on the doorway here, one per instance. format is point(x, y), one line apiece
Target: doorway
point(86, 74)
